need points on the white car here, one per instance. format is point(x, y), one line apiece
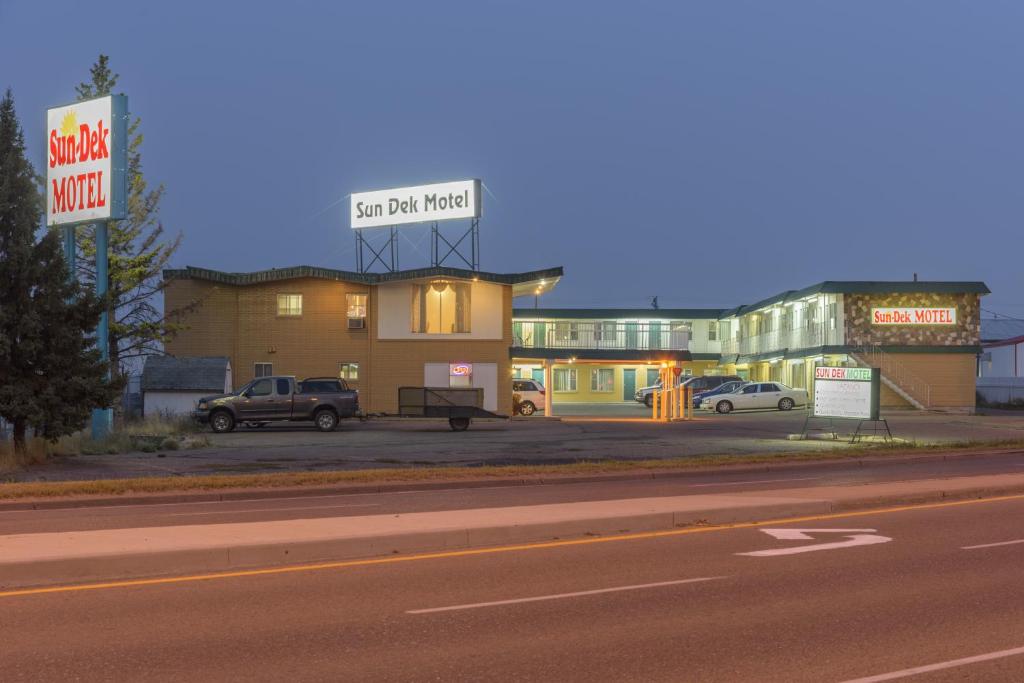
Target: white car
point(531, 395)
point(754, 395)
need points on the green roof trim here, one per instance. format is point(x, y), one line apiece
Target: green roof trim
point(613, 313)
point(789, 354)
point(296, 272)
point(864, 287)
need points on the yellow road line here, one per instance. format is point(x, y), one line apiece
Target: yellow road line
point(342, 564)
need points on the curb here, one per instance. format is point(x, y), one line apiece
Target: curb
point(250, 556)
point(201, 496)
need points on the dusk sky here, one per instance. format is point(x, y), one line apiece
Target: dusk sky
point(710, 153)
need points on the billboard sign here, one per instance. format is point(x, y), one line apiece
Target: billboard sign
point(419, 204)
point(87, 161)
point(913, 316)
point(846, 392)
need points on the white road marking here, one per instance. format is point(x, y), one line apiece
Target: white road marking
point(856, 537)
point(242, 511)
point(991, 545)
point(559, 596)
point(892, 675)
point(757, 481)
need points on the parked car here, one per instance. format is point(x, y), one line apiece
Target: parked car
point(724, 388)
point(321, 400)
point(753, 395)
point(696, 384)
point(531, 395)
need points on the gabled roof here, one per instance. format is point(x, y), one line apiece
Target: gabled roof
point(864, 287)
point(167, 373)
point(616, 313)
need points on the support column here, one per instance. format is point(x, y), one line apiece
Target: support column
point(70, 251)
point(102, 419)
point(549, 387)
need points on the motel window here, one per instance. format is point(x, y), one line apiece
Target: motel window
point(832, 315)
point(567, 332)
point(769, 322)
point(348, 371)
point(289, 304)
point(605, 331)
point(712, 331)
point(565, 379)
point(356, 306)
point(602, 380)
point(441, 307)
point(263, 369)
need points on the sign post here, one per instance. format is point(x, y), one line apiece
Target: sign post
point(87, 182)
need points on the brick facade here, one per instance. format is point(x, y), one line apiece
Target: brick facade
point(860, 331)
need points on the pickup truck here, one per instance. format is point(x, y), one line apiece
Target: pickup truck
point(321, 400)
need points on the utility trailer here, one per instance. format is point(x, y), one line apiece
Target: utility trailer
point(456, 404)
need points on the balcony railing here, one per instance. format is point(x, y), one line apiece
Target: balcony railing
point(601, 336)
point(779, 340)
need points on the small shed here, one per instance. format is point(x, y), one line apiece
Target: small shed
point(173, 386)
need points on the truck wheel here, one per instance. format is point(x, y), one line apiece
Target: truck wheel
point(325, 420)
point(222, 421)
point(649, 400)
point(458, 424)
point(527, 408)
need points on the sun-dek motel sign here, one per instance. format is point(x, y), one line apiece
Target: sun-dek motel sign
point(87, 182)
point(417, 204)
point(87, 160)
point(846, 392)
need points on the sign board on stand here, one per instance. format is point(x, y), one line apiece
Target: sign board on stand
point(846, 392)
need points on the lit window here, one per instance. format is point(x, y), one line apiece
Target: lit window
point(602, 380)
point(565, 379)
point(441, 307)
point(263, 369)
point(712, 331)
point(567, 332)
point(356, 306)
point(348, 371)
point(289, 304)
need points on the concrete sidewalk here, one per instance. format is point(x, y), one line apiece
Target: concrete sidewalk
point(48, 558)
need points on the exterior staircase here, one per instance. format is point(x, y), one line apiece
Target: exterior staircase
point(895, 375)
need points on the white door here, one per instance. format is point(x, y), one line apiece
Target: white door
point(485, 376)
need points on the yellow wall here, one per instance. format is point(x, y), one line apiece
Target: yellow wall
point(583, 393)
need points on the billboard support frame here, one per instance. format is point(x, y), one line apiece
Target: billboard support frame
point(387, 250)
point(457, 249)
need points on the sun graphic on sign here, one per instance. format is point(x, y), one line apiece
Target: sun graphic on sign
point(69, 126)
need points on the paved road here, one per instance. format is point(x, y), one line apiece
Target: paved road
point(690, 606)
point(295, 447)
point(306, 507)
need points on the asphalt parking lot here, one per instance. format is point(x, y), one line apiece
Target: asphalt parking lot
point(628, 435)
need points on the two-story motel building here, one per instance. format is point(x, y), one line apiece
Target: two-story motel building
point(382, 331)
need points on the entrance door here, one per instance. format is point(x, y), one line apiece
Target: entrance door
point(628, 383)
point(655, 335)
point(652, 376)
point(538, 376)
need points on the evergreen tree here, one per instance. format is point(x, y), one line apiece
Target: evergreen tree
point(51, 376)
point(138, 251)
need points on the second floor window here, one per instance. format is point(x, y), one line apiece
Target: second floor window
point(712, 331)
point(356, 306)
point(289, 304)
point(565, 332)
point(441, 307)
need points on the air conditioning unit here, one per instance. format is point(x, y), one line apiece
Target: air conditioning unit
point(356, 323)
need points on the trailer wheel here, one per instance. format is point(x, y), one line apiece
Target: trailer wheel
point(458, 424)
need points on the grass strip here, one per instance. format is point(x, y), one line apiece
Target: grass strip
point(439, 473)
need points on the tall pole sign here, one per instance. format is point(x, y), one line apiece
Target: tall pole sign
point(87, 182)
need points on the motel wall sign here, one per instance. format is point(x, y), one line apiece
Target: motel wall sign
point(87, 159)
point(419, 204)
point(913, 316)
